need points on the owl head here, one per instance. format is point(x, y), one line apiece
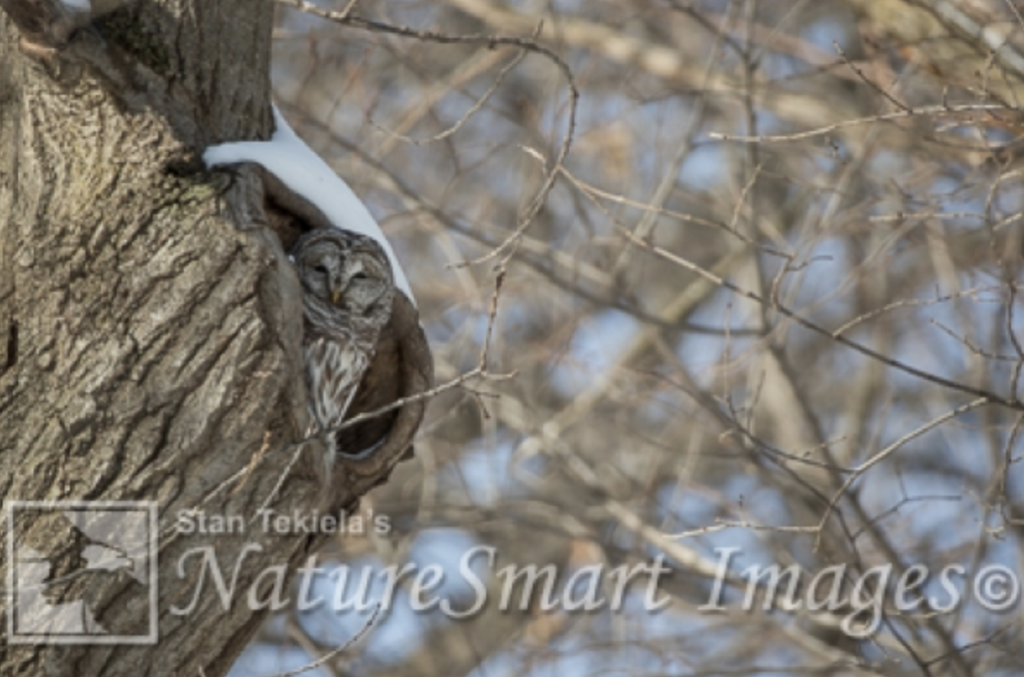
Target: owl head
point(347, 271)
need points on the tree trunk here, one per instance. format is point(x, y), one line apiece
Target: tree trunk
point(149, 345)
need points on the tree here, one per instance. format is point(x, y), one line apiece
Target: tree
point(151, 324)
point(768, 300)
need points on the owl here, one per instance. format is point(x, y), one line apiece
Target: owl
point(348, 291)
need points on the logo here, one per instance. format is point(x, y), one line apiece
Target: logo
point(64, 557)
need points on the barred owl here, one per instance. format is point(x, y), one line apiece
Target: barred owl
point(348, 290)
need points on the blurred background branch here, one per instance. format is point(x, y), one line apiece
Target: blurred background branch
point(653, 411)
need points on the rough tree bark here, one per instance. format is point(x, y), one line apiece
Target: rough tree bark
point(149, 322)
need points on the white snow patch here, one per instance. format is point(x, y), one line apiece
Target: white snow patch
point(288, 158)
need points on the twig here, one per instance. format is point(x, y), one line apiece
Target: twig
point(977, 350)
point(491, 316)
point(870, 83)
point(594, 192)
point(473, 110)
point(863, 317)
point(884, 453)
point(310, 8)
point(884, 117)
point(334, 652)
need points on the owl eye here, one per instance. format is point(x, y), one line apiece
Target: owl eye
point(320, 269)
point(360, 276)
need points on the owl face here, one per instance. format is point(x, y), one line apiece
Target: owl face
point(346, 270)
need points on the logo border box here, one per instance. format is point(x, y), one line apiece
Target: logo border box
point(150, 638)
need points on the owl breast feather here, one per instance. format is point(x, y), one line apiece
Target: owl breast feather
point(334, 372)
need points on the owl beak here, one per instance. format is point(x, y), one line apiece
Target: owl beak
point(335, 296)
